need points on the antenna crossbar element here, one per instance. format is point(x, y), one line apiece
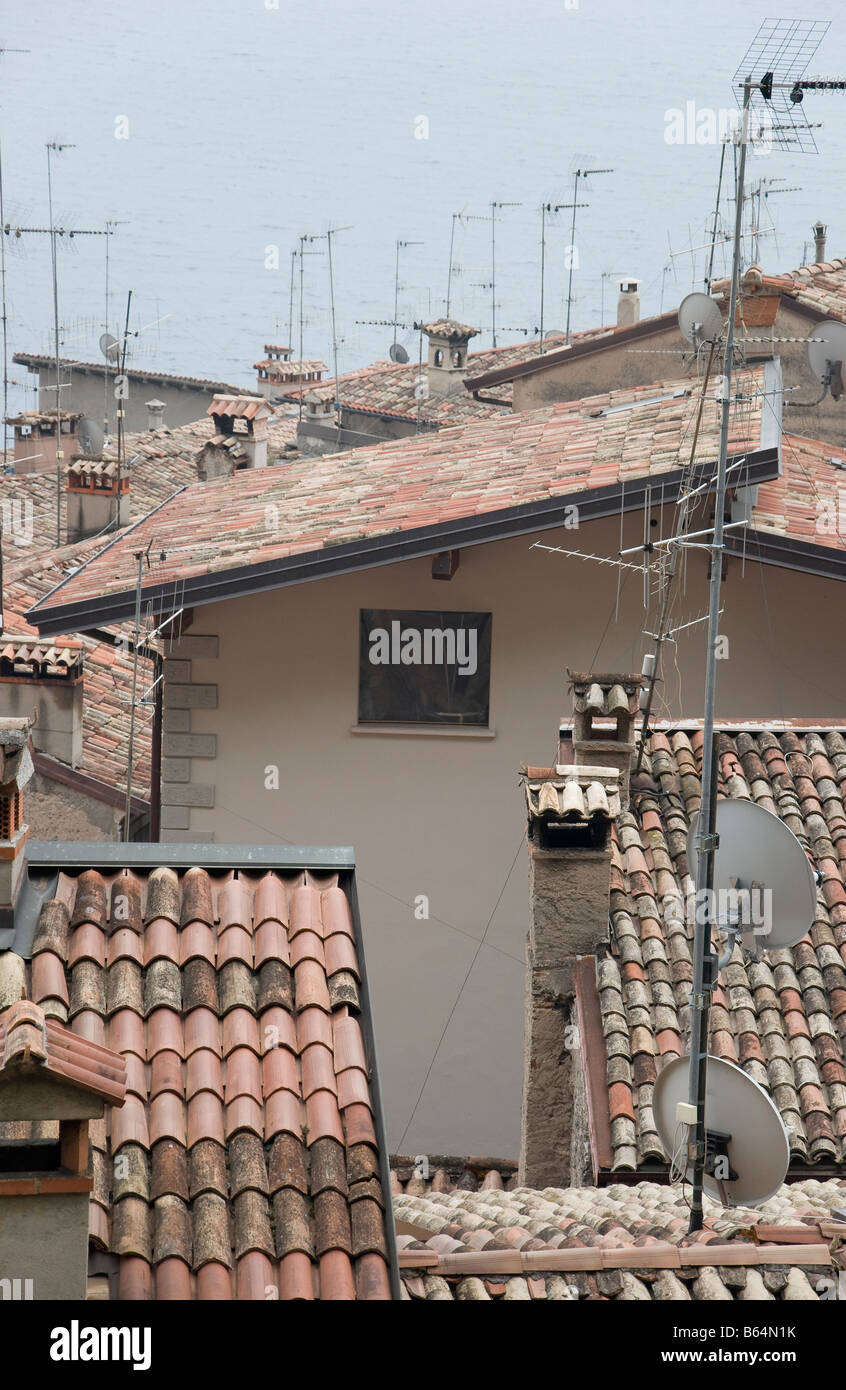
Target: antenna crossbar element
point(583, 555)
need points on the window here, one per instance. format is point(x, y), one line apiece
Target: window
point(456, 358)
point(439, 357)
point(421, 667)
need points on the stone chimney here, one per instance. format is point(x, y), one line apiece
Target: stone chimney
point(95, 498)
point(819, 229)
point(628, 303)
point(36, 447)
point(155, 414)
point(446, 365)
point(278, 374)
point(570, 812)
point(52, 1084)
point(15, 772)
point(46, 676)
point(241, 427)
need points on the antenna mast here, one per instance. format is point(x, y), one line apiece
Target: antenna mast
point(775, 38)
point(579, 174)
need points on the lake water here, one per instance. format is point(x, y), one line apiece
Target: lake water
point(212, 132)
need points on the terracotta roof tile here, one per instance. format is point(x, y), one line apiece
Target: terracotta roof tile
point(234, 1152)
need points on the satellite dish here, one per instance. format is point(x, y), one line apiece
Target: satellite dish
point(741, 1124)
point(89, 436)
point(827, 343)
point(756, 848)
point(700, 319)
point(397, 353)
point(109, 346)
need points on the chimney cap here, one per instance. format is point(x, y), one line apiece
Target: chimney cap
point(155, 405)
point(451, 330)
point(240, 407)
point(628, 284)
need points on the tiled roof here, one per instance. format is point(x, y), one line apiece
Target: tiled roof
point(389, 388)
point(820, 287)
point(598, 1236)
point(163, 460)
point(783, 1018)
point(562, 450)
point(107, 673)
point(33, 1044)
point(248, 1139)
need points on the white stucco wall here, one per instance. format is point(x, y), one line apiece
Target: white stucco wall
point(441, 815)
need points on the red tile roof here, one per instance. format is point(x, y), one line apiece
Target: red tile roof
point(249, 1157)
point(427, 481)
point(32, 1044)
point(783, 1018)
point(491, 1243)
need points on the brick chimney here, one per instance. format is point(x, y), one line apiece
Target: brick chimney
point(628, 302)
point(15, 771)
point(46, 676)
point(570, 812)
point(95, 500)
point(52, 1084)
point(446, 365)
point(241, 428)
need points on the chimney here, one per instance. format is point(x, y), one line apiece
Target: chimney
point(95, 499)
point(15, 771)
point(819, 230)
point(604, 715)
point(241, 428)
point(570, 813)
point(446, 365)
point(155, 414)
point(628, 303)
point(52, 1084)
point(47, 677)
point(35, 447)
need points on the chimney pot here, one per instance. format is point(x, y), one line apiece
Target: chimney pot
point(628, 304)
point(155, 414)
point(819, 230)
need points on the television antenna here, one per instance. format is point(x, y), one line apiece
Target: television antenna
point(494, 206)
point(395, 352)
point(547, 210)
point(579, 174)
point(772, 68)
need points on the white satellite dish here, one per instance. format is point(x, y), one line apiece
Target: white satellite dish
point(89, 436)
point(700, 319)
point(827, 345)
point(758, 853)
point(742, 1126)
point(109, 346)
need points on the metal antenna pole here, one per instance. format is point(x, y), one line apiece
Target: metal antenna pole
point(580, 174)
point(139, 555)
point(120, 411)
point(303, 240)
point(455, 217)
point(704, 961)
point(53, 260)
point(710, 275)
point(330, 232)
point(494, 206)
point(543, 270)
point(291, 303)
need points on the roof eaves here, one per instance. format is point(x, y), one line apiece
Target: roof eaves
point(476, 529)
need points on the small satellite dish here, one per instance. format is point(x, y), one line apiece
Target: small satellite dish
point(109, 346)
point(397, 353)
point(758, 853)
point(827, 344)
point(89, 436)
point(742, 1125)
point(700, 319)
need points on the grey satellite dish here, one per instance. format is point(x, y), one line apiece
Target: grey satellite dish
point(741, 1123)
point(700, 319)
point(758, 853)
point(89, 436)
point(109, 346)
point(397, 353)
point(826, 346)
